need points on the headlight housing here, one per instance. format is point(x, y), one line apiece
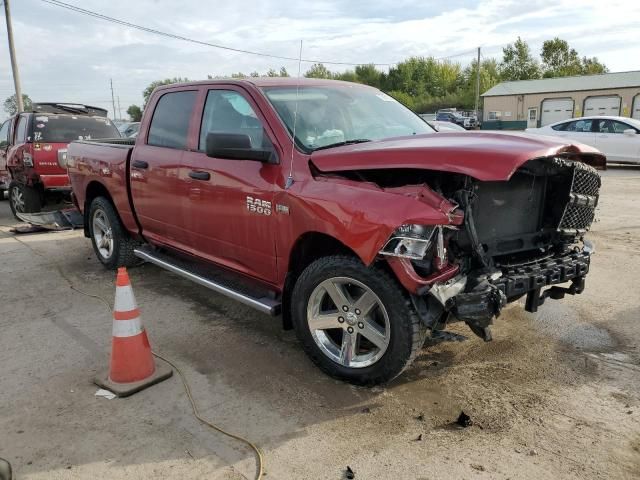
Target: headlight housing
point(410, 241)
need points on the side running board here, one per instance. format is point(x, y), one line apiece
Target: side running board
point(220, 281)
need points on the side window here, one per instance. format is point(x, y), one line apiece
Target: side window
point(580, 126)
point(604, 126)
point(620, 127)
point(21, 130)
point(562, 126)
point(227, 111)
point(170, 122)
point(4, 134)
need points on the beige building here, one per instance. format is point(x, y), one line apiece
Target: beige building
point(535, 103)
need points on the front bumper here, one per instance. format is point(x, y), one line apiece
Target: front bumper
point(520, 280)
point(477, 297)
point(480, 305)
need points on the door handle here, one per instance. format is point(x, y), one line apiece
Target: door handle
point(199, 175)
point(140, 164)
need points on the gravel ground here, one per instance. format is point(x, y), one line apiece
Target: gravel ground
point(555, 395)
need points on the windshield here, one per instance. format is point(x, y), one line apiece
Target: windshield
point(67, 128)
point(328, 116)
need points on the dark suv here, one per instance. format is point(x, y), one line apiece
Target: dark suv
point(454, 118)
point(33, 148)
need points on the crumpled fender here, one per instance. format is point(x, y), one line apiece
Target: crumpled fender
point(360, 215)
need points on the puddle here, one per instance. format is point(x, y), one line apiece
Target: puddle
point(560, 321)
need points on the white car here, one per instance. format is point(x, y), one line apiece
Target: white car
point(617, 137)
point(440, 126)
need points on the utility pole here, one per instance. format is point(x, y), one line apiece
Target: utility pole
point(113, 100)
point(12, 54)
point(478, 83)
point(119, 111)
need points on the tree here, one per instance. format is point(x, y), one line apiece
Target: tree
point(167, 81)
point(135, 113)
point(560, 60)
point(591, 66)
point(318, 70)
point(11, 103)
point(274, 73)
point(517, 62)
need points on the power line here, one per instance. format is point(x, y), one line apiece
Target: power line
point(100, 16)
point(107, 18)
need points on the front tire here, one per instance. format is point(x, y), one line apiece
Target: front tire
point(111, 242)
point(355, 322)
point(23, 199)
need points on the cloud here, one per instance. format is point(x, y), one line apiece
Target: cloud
point(67, 56)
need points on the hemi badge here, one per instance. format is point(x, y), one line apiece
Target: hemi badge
point(282, 209)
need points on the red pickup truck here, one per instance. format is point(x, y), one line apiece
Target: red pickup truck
point(335, 206)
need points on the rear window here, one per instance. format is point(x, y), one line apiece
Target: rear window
point(170, 122)
point(67, 128)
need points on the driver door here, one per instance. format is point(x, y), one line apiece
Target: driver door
point(228, 208)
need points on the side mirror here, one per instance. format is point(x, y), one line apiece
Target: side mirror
point(629, 131)
point(237, 146)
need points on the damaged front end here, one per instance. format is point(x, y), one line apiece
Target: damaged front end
point(508, 239)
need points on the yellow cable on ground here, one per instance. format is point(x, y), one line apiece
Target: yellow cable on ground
point(187, 389)
point(196, 413)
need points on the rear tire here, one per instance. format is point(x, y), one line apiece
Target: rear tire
point(23, 199)
point(111, 242)
point(370, 335)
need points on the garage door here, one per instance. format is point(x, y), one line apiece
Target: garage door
point(602, 106)
point(635, 112)
point(555, 110)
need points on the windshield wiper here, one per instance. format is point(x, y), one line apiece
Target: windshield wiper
point(340, 144)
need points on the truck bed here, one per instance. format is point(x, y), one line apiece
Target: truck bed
point(102, 165)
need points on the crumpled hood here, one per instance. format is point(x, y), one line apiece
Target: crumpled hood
point(484, 156)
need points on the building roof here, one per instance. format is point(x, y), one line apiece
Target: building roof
point(566, 84)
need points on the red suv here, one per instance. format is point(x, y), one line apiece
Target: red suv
point(33, 148)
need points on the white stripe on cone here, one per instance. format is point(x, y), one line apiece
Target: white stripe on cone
point(125, 301)
point(127, 328)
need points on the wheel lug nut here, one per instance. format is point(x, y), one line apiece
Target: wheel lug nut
point(350, 329)
point(357, 312)
point(360, 325)
point(345, 308)
point(341, 319)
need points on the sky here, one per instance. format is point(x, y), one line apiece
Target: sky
point(67, 56)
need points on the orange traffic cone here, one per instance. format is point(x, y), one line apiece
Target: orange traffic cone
point(132, 365)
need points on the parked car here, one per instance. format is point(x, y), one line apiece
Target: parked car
point(446, 126)
point(36, 146)
point(455, 118)
point(617, 137)
point(129, 129)
point(366, 230)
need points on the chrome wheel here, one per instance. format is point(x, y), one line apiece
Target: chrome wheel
point(102, 234)
point(17, 199)
point(348, 322)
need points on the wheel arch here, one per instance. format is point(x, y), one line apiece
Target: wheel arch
point(94, 190)
point(307, 248)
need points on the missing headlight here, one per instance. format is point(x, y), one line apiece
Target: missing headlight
point(409, 241)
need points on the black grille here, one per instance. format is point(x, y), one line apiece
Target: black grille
point(577, 217)
point(585, 182)
point(580, 210)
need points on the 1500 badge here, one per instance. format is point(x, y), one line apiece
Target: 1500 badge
point(261, 207)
